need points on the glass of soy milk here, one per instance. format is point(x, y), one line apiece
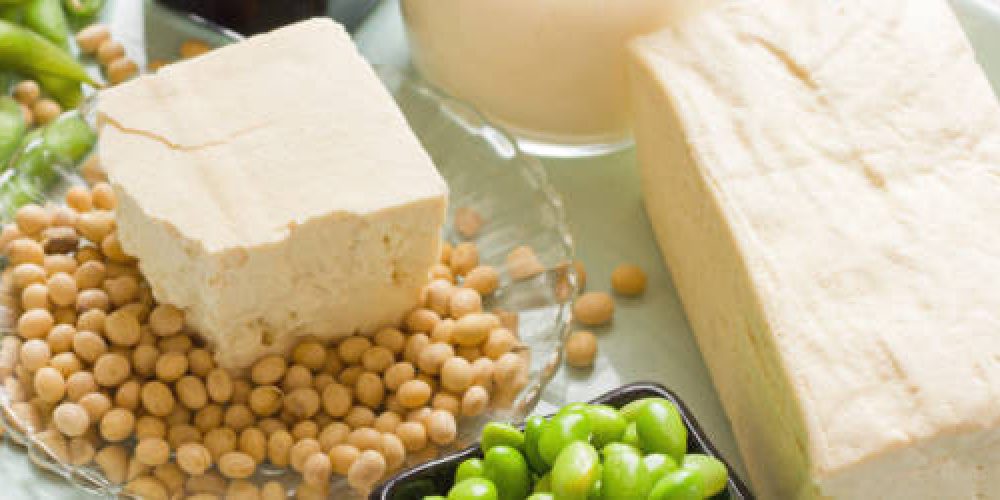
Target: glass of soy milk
point(552, 72)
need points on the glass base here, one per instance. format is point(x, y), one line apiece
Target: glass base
point(556, 150)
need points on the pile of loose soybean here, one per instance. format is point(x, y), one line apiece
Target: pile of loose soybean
point(101, 374)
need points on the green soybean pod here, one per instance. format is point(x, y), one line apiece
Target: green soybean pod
point(560, 431)
point(32, 54)
point(532, 430)
point(69, 137)
point(682, 484)
point(541, 496)
point(46, 17)
point(472, 467)
point(475, 488)
point(506, 468)
point(16, 192)
point(497, 434)
point(12, 128)
point(607, 424)
point(661, 429)
point(575, 471)
point(623, 476)
point(658, 465)
point(713, 472)
point(68, 92)
point(543, 484)
point(631, 435)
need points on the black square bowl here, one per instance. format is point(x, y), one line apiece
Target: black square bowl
point(435, 477)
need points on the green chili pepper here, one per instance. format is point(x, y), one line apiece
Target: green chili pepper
point(67, 92)
point(25, 51)
point(12, 128)
point(83, 8)
point(46, 17)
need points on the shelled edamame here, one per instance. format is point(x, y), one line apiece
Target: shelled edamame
point(590, 452)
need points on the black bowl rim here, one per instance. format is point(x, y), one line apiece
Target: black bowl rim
point(736, 487)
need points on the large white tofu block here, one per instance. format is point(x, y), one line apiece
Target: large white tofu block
point(272, 189)
point(824, 180)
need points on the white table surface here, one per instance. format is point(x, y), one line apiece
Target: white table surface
point(650, 339)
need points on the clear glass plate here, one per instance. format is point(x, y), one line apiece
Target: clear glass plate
point(486, 173)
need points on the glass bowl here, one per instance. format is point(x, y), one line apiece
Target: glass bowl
point(505, 193)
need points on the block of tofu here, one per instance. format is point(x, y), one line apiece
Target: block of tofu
point(823, 177)
point(272, 189)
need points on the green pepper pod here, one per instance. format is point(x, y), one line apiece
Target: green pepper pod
point(83, 9)
point(25, 51)
point(46, 17)
point(12, 128)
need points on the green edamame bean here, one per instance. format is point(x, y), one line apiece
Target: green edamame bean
point(631, 435)
point(543, 484)
point(624, 476)
point(69, 137)
point(497, 434)
point(631, 410)
point(575, 471)
point(560, 431)
point(573, 408)
point(83, 9)
point(508, 470)
point(607, 424)
point(472, 467)
point(681, 484)
point(532, 431)
point(595, 490)
point(713, 472)
point(12, 128)
point(435, 497)
point(475, 488)
point(541, 496)
point(658, 465)
point(661, 429)
point(29, 53)
point(46, 17)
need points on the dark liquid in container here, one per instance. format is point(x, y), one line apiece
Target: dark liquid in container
point(255, 16)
